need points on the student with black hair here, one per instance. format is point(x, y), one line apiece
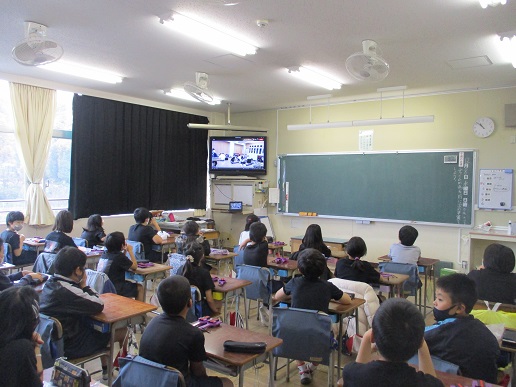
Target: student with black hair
point(191, 232)
point(244, 235)
point(313, 239)
point(495, 280)
point(14, 222)
point(200, 277)
point(58, 239)
point(397, 333)
point(456, 336)
point(22, 277)
point(114, 262)
point(170, 340)
point(20, 358)
point(309, 291)
point(256, 251)
point(146, 231)
point(67, 297)
point(94, 232)
point(405, 251)
point(353, 268)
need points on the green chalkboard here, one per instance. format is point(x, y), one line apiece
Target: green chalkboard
point(411, 186)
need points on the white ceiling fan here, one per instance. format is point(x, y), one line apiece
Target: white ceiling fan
point(368, 65)
point(36, 49)
point(199, 89)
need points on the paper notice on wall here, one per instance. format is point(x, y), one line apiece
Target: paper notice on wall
point(365, 140)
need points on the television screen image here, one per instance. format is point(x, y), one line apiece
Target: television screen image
point(238, 155)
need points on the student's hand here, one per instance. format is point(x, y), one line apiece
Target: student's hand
point(129, 248)
point(155, 224)
point(366, 348)
point(84, 280)
point(36, 276)
point(22, 238)
point(36, 339)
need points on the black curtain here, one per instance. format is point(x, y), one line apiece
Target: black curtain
point(126, 156)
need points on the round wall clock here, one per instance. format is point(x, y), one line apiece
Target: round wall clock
point(483, 127)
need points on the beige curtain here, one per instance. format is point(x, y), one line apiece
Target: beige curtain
point(34, 110)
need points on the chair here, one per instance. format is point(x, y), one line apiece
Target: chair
point(80, 241)
point(139, 372)
point(177, 261)
point(239, 259)
point(44, 263)
point(260, 290)
point(51, 333)
point(306, 335)
point(413, 283)
point(138, 251)
point(99, 281)
point(196, 310)
point(439, 364)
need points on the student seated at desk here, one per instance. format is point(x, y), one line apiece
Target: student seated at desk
point(114, 262)
point(257, 251)
point(66, 297)
point(23, 277)
point(94, 232)
point(495, 280)
point(405, 251)
point(457, 337)
point(192, 233)
point(200, 277)
point(14, 221)
point(397, 333)
point(244, 235)
point(57, 239)
point(170, 340)
point(146, 231)
point(20, 358)
point(353, 268)
point(310, 292)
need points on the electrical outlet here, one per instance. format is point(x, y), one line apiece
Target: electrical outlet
point(464, 264)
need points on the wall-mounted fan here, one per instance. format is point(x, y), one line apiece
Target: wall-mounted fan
point(368, 65)
point(36, 49)
point(199, 89)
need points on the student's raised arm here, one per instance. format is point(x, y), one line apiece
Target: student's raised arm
point(425, 361)
point(366, 349)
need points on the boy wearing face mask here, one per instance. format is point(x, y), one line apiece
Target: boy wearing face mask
point(457, 336)
point(146, 231)
point(14, 221)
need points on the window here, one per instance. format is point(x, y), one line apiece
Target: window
point(13, 183)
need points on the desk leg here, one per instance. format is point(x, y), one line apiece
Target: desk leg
point(240, 377)
point(111, 353)
point(271, 369)
point(339, 353)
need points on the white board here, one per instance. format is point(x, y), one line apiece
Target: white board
point(243, 193)
point(222, 194)
point(495, 189)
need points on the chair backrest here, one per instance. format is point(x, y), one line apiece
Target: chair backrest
point(260, 289)
point(51, 333)
point(306, 334)
point(99, 281)
point(439, 364)
point(413, 283)
point(8, 253)
point(196, 310)
point(139, 372)
point(239, 259)
point(44, 263)
point(138, 251)
point(80, 241)
point(177, 261)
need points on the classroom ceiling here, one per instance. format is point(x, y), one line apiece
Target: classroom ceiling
point(418, 39)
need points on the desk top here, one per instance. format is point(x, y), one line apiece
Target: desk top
point(338, 308)
point(118, 308)
point(158, 267)
point(325, 239)
point(456, 380)
point(231, 284)
point(222, 256)
point(214, 343)
point(425, 262)
point(289, 265)
point(33, 242)
point(393, 279)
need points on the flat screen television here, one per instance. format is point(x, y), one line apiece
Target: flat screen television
point(238, 155)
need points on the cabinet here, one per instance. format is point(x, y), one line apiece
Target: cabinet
point(479, 240)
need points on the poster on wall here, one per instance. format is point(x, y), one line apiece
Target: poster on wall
point(495, 189)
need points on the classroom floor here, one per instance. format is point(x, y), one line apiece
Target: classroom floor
point(260, 376)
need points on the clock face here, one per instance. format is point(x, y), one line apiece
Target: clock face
point(483, 127)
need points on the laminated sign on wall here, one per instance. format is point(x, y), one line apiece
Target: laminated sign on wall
point(495, 189)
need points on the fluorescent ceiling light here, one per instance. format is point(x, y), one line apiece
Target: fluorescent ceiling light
point(493, 3)
point(181, 94)
point(508, 42)
point(83, 72)
point(315, 77)
point(373, 122)
point(209, 35)
point(234, 128)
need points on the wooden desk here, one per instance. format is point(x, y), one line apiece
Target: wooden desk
point(290, 266)
point(93, 258)
point(334, 244)
point(428, 265)
point(118, 312)
point(217, 258)
point(276, 248)
point(170, 242)
point(479, 240)
point(395, 282)
point(233, 285)
point(32, 242)
point(343, 311)
point(456, 380)
point(214, 344)
point(148, 273)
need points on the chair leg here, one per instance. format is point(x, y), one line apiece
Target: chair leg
point(331, 366)
point(288, 370)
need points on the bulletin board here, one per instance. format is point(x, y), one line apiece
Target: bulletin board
point(495, 189)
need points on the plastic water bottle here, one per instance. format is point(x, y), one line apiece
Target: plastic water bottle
point(509, 228)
